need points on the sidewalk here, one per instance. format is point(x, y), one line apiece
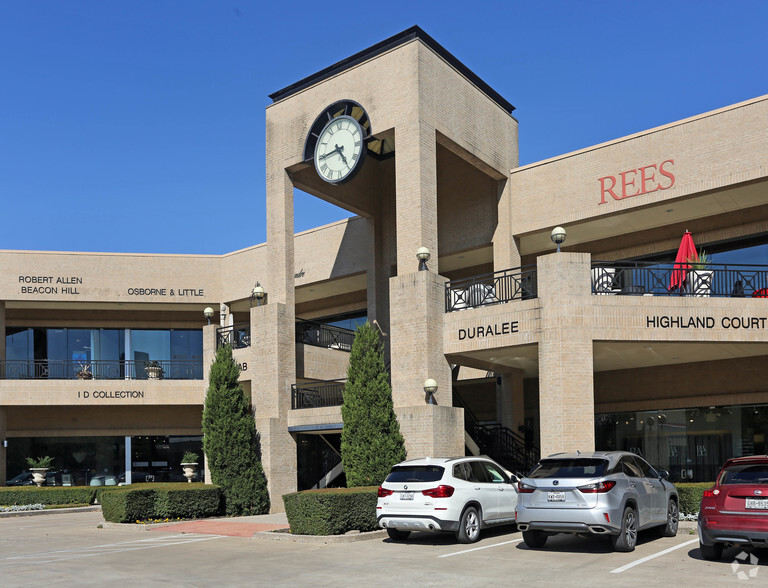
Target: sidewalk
point(231, 527)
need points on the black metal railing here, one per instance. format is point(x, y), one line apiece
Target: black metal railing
point(486, 289)
point(639, 278)
point(237, 336)
point(45, 369)
point(322, 335)
point(315, 395)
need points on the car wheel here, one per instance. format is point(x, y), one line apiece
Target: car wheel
point(711, 552)
point(397, 535)
point(534, 539)
point(627, 537)
point(673, 518)
point(469, 526)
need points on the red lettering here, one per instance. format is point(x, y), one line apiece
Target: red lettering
point(645, 179)
point(667, 174)
point(609, 190)
point(625, 183)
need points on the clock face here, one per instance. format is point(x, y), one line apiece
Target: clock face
point(339, 149)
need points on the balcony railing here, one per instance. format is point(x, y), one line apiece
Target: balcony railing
point(496, 288)
point(315, 395)
point(237, 336)
point(45, 369)
point(321, 335)
point(644, 278)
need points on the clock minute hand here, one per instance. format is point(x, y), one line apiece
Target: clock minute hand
point(327, 155)
point(340, 148)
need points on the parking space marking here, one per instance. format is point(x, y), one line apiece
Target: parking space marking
point(479, 548)
point(650, 557)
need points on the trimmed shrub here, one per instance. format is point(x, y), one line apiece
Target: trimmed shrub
point(129, 504)
point(58, 495)
point(230, 442)
point(371, 442)
point(690, 494)
point(331, 511)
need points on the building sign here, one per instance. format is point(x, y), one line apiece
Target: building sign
point(705, 322)
point(636, 182)
point(50, 284)
point(110, 394)
point(492, 330)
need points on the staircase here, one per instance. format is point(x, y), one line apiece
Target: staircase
point(499, 442)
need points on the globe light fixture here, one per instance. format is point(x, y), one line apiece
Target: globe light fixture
point(208, 313)
point(558, 237)
point(422, 254)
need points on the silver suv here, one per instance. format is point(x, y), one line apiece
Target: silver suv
point(612, 493)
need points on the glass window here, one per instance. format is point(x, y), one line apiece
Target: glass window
point(630, 467)
point(18, 344)
point(746, 474)
point(478, 472)
point(415, 473)
point(569, 468)
point(496, 476)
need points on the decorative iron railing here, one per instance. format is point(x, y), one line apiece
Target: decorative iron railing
point(645, 278)
point(237, 336)
point(486, 289)
point(45, 369)
point(321, 335)
point(315, 395)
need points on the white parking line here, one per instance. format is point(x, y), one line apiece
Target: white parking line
point(650, 557)
point(479, 548)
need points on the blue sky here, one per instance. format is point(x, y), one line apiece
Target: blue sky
point(139, 126)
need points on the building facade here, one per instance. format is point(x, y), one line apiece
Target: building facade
point(605, 343)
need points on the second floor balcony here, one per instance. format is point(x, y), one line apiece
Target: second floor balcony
point(494, 288)
point(43, 369)
point(317, 394)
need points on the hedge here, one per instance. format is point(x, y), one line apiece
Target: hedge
point(690, 494)
point(129, 504)
point(332, 511)
point(19, 495)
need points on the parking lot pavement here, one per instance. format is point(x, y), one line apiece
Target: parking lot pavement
point(63, 549)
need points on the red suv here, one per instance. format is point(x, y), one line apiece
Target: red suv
point(735, 510)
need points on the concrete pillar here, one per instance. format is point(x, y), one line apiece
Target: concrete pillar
point(566, 389)
point(3, 450)
point(416, 336)
point(274, 367)
point(416, 194)
point(510, 400)
point(279, 281)
point(506, 254)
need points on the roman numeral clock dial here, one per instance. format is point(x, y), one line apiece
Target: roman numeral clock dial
point(339, 149)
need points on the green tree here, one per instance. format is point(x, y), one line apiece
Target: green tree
point(371, 442)
point(229, 440)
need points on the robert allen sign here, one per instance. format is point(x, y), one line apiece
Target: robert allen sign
point(492, 330)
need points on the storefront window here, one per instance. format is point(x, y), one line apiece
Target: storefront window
point(691, 444)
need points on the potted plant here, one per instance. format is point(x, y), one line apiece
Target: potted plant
point(154, 370)
point(83, 372)
point(39, 466)
point(700, 281)
point(189, 464)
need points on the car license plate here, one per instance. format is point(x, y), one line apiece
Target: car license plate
point(555, 496)
point(757, 503)
point(406, 496)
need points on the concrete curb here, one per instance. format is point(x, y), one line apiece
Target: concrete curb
point(352, 537)
point(34, 513)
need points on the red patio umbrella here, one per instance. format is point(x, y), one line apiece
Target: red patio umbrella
point(686, 251)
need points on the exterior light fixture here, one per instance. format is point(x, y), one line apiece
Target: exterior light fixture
point(430, 387)
point(208, 313)
point(422, 254)
point(258, 294)
point(558, 237)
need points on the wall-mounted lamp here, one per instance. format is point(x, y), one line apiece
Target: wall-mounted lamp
point(558, 237)
point(422, 254)
point(5, 442)
point(208, 313)
point(258, 294)
point(430, 387)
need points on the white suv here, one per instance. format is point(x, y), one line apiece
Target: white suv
point(456, 494)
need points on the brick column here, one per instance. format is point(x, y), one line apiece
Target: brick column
point(566, 389)
point(3, 450)
point(415, 194)
point(416, 338)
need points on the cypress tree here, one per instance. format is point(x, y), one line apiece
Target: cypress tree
point(229, 440)
point(371, 442)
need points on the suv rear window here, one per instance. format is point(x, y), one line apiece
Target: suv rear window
point(569, 468)
point(415, 473)
point(745, 474)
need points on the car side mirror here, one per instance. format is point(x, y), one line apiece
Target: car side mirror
point(663, 474)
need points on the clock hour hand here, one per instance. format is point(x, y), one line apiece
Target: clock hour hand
point(340, 148)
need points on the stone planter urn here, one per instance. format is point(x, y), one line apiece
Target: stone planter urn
point(38, 475)
point(154, 372)
point(190, 471)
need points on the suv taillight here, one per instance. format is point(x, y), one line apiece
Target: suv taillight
point(711, 493)
point(383, 492)
point(442, 491)
point(525, 488)
point(598, 488)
